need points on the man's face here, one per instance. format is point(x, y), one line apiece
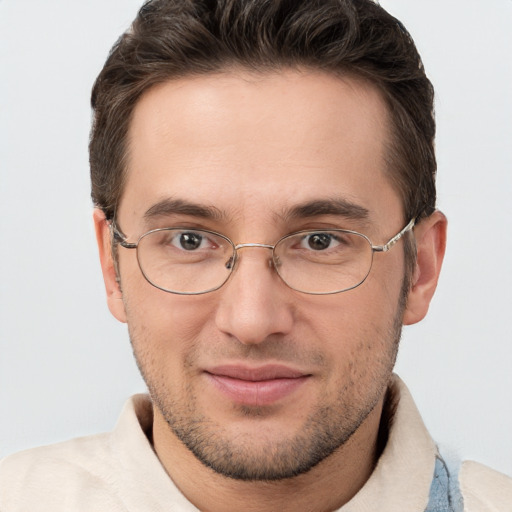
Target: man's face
point(260, 381)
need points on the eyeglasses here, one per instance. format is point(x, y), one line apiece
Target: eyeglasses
point(195, 261)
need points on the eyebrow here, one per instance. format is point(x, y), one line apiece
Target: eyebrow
point(170, 206)
point(338, 207)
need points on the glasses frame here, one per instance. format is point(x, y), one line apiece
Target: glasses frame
point(119, 237)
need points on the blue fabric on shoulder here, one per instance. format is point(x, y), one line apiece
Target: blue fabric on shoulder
point(444, 491)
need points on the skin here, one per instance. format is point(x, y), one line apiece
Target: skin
point(252, 147)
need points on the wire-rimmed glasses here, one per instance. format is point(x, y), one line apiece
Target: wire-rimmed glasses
point(190, 261)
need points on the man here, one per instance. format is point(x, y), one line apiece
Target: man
point(263, 174)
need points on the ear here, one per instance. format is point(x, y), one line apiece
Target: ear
point(430, 234)
point(112, 287)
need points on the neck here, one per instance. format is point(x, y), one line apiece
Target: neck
point(326, 487)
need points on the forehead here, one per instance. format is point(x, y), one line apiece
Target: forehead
point(238, 141)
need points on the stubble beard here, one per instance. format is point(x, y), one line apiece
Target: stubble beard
point(327, 428)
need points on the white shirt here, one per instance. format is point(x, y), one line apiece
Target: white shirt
point(119, 471)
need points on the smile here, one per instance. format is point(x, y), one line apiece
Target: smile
point(258, 386)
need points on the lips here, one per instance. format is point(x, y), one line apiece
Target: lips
point(256, 386)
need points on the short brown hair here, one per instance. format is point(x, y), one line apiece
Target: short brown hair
point(176, 38)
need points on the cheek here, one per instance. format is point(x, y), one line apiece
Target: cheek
point(360, 328)
point(166, 324)
point(164, 330)
point(358, 312)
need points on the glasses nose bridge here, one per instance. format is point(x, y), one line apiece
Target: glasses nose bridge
point(262, 246)
point(257, 246)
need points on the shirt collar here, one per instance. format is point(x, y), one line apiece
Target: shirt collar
point(400, 481)
point(402, 477)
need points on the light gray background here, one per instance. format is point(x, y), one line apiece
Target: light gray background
point(65, 364)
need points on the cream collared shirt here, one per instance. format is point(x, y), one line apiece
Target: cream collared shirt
point(119, 472)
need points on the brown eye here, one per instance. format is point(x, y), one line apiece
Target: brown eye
point(319, 241)
point(189, 241)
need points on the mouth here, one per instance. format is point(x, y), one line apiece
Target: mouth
point(260, 386)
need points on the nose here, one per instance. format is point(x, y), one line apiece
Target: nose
point(254, 304)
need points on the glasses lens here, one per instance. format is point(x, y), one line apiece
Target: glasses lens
point(323, 262)
point(185, 261)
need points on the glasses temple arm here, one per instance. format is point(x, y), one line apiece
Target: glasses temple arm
point(119, 237)
point(386, 247)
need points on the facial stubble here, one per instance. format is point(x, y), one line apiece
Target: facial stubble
point(327, 428)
